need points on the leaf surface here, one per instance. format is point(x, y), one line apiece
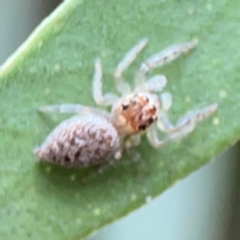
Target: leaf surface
point(40, 201)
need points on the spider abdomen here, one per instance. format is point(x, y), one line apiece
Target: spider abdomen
point(80, 141)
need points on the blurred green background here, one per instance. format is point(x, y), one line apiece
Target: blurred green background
point(205, 205)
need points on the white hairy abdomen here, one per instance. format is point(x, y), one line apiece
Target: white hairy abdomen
point(80, 141)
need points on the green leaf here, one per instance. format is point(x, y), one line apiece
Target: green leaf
point(40, 201)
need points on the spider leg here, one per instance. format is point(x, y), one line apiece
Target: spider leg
point(166, 101)
point(122, 86)
point(132, 141)
point(104, 100)
point(154, 139)
point(154, 84)
point(184, 126)
point(195, 116)
point(72, 108)
point(167, 55)
point(130, 57)
point(187, 123)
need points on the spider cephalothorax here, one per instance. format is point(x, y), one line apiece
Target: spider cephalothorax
point(95, 135)
point(135, 113)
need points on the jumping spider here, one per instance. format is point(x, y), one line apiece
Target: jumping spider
point(95, 136)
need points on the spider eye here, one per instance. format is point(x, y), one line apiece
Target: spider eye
point(142, 127)
point(125, 107)
point(150, 120)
